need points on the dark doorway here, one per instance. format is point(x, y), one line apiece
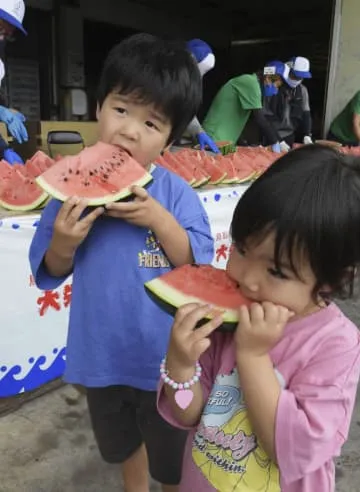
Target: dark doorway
point(99, 38)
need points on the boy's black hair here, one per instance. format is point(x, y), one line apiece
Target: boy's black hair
point(310, 199)
point(157, 71)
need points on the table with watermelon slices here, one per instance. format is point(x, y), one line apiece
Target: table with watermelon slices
point(34, 323)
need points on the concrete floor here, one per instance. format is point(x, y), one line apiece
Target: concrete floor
point(47, 446)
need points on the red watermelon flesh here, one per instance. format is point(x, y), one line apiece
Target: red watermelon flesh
point(201, 177)
point(189, 160)
point(227, 165)
point(21, 193)
point(203, 284)
point(102, 173)
point(173, 164)
point(243, 170)
point(211, 166)
point(5, 169)
point(38, 163)
point(40, 156)
point(350, 150)
point(196, 161)
point(217, 173)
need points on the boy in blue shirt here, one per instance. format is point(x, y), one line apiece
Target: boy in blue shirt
point(149, 91)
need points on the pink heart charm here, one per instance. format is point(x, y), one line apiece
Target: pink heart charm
point(183, 398)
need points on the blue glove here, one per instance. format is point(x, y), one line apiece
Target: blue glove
point(276, 148)
point(12, 157)
point(206, 141)
point(15, 124)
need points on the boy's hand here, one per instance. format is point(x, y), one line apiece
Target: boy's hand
point(143, 211)
point(260, 328)
point(69, 229)
point(187, 343)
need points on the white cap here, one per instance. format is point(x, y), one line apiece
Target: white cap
point(300, 67)
point(13, 11)
point(206, 64)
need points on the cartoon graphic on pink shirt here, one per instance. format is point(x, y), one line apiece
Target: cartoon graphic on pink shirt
point(225, 448)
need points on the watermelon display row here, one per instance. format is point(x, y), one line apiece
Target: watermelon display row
point(350, 150)
point(355, 151)
point(103, 173)
point(199, 168)
point(18, 188)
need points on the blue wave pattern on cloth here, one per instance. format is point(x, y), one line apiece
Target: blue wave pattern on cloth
point(11, 385)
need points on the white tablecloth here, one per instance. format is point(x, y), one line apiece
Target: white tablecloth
point(34, 323)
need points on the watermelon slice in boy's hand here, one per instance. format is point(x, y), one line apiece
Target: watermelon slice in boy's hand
point(102, 173)
point(198, 283)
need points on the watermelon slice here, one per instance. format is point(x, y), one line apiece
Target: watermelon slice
point(20, 191)
point(169, 161)
point(38, 163)
point(202, 167)
point(217, 174)
point(243, 170)
point(225, 163)
point(190, 161)
point(101, 173)
point(212, 167)
point(198, 283)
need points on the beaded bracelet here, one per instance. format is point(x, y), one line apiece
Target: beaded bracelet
point(183, 395)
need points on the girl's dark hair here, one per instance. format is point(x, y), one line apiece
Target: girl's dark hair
point(158, 72)
point(310, 200)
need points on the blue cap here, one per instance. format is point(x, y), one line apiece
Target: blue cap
point(199, 49)
point(276, 67)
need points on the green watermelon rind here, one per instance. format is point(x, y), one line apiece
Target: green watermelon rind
point(25, 208)
point(227, 149)
point(170, 300)
point(103, 200)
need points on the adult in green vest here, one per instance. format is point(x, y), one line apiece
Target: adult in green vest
point(241, 97)
point(346, 126)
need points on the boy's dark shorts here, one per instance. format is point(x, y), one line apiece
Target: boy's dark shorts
point(123, 418)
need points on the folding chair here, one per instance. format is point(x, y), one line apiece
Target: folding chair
point(63, 137)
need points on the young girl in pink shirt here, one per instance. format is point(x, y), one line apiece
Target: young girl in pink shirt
point(272, 402)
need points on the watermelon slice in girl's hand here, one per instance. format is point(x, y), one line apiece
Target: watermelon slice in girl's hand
point(204, 284)
point(101, 173)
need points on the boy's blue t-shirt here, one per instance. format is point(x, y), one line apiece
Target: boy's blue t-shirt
point(117, 335)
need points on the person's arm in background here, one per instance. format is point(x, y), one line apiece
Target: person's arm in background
point(306, 120)
point(7, 152)
point(355, 110)
point(356, 126)
point(267, 130)
point(250, 98)
point(197, 133)
point(14, 120)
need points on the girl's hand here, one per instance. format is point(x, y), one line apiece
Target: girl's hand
point(187, 343)
point(260, 328)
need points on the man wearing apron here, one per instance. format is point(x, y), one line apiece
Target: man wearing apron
point(289, 110)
